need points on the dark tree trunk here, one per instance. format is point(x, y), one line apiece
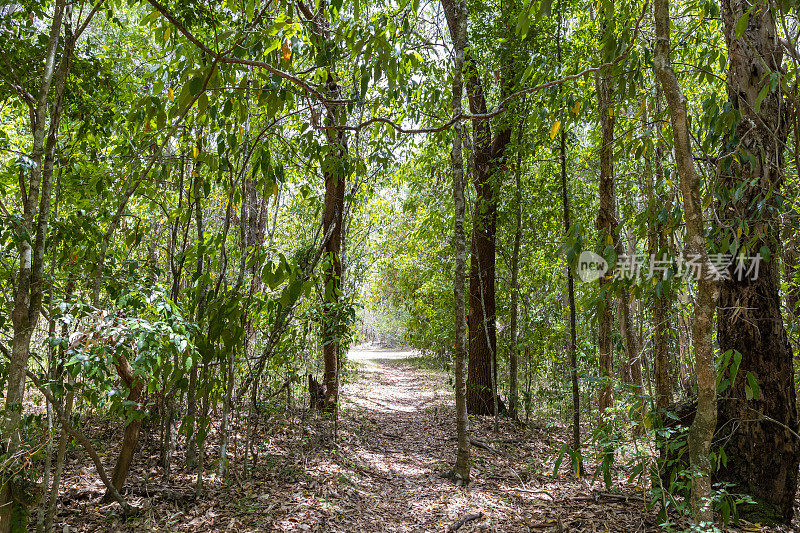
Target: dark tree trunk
point(513, 357)
point(334, 169)
point(334, 207)
point(657, 245)
point(488, 160)
point(762, 448)
point(482, 372)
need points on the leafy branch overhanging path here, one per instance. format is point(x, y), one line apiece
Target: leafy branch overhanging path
point(224, 57)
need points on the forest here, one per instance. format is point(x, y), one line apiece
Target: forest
point(397, 265)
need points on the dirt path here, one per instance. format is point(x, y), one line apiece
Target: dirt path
point(382, 473)
point(409, 412)
point(397, 429)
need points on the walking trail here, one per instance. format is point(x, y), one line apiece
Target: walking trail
point(396, 438)
point(380, 472)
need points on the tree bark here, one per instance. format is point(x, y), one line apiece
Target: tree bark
point(606, 225)
point(702, 428)
point(130, 437)
point(487, 159)
point(657, 245)
point(461, 471)
point(762, 449)
point(36, 217)
point(513, 357)
point(334, 171)
point(572, 355)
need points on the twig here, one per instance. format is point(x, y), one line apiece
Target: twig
point(455, 526)
point(533, 491)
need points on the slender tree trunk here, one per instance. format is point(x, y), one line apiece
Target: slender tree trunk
point(36, 217)
point(130, 437)
point(657, 246)
point(462, 468)
point(62, 440)
point(572, 355)
point(762, 446)
point(606, 221)
point(513, 358)
point(333, 170)
point(702, 428)
point(199, 311)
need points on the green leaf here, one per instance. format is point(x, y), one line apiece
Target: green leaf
point(559, 459)
point(737, 359)
point(761, 95)
point(741, 25)
point(196, 85)
point(523, 24)
point(751, 390)
point(291, 293)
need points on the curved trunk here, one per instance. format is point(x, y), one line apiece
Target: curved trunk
point(702, 429)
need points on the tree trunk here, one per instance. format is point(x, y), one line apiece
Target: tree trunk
point(763, 453)
point(657, 245)
point(461, 471)
point(334, 171)
point(606, 225)
point(36, 217)
point(513, 357)
point(572, 355)
point(702, 429)
point(487, 157)
point(198, 311)
point(130, 436)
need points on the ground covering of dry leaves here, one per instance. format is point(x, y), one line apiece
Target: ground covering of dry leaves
point(382, 473)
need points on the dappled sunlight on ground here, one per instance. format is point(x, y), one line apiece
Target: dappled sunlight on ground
point(380, 473)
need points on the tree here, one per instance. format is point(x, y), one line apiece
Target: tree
point(607, 212)
point(488, 158)
point(702, 429)
point(461, 471)
point(759, 424)
point(36, 187)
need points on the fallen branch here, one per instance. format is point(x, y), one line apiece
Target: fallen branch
point(484, 446)
point(542, 525)
point(455, 526)
point(597, 496)
point(533, 491)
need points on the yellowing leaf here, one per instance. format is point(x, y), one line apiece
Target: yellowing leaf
point(609, 240)
point(554, 129)
point(611, 112)
point(195, 152)
point(171, 94)
point(641, 110)
point(286, 51)
point(576, 108)
point(275, 193)
point(167, 33)
point(702, 14)
point(739, 232)
point(241, 133)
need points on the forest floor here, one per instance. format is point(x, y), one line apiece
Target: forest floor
point(382, 473)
